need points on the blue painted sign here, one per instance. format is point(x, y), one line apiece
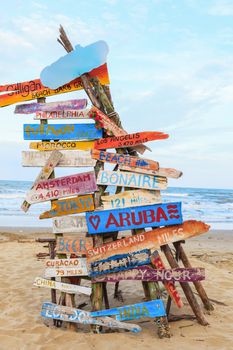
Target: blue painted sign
point(120, 262)
point(133, 218)
point(61, 132)
point(153, 308)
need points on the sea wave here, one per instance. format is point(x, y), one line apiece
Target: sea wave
point(168, 194)
point(12, 195)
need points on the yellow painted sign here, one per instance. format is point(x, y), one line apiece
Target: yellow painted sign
point(62, 145)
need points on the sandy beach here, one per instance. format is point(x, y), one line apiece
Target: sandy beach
point(21, 326)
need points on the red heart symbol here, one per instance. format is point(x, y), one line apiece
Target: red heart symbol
point(95, 221)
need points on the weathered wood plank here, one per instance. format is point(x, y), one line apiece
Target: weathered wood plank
point(65, 186)
point(127, 179)
point(65, 313)
point(68, 159)
point(148, 240)
point(147, 273)
point(167, 172)
point(69, 206)
point(132, 198)
point(63, 114)
point(61, 132)
point(66, 267)
point(74, 245)
point(70, 224)
point(61, 145)
point(164, 214)
point(152, 309)
point(63, 287)
point(44, 174)
point(57, 106)
point(119, 262)
point(124, 159)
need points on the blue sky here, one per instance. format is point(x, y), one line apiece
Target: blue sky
point(171, 70)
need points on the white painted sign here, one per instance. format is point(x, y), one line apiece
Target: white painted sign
point(70, 224)
point(63, 287)
point(66, 267)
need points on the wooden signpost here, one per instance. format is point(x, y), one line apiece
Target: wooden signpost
point(74, 245)
point(57, 106)
point(134, 218)
point(147, 273)
point(61, 145)
point(129, 140)
point(119, 262)
point(65, 313)
point(30, 90)
point(69, 206)
point(70, 224)
point(63, 287)
point(65, 267)
point(152, 309)
point(127, 179)
point(68, 159)
point(133, 198)
point(63, 114)
point(148, 240)
point(122, 159)
point(166, 172)
point(65, 186)
point(61, 132)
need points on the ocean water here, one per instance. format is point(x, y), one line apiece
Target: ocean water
point(214, 206)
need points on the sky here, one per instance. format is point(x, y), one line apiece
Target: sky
point(171, 69)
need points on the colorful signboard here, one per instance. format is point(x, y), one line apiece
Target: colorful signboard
point(74, 245)
point(65, 267)
point(61, 145)
point(48, 107)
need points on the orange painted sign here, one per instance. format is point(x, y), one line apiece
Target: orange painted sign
point(74, 245)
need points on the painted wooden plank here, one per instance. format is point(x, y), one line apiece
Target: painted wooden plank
point(63, 114)
point(61, 145)
point(73, 245)
point(129, 140)
point(30, 90)
point(65, 313)
point(152, 309)
point(149, 274)
point(119, 262)
point(167, 172)
point(44, 174)
point(122, 159)
point(164, 214)
point(62, 187)
point(132, 198)
point(128, 179)
point(63, 287)
point(69, 206)
point(57, 106)
point(68, 159)
point(153, 239)
point(66, 267)
point(61, 132)
point(70, 224)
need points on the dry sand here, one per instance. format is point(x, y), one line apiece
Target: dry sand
point(21, 326)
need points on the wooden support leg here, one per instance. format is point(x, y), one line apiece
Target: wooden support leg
point(199, 287)
point(105, 295)
point(186, 288)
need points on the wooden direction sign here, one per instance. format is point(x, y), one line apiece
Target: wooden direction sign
point(44, 174)
point(61, 132)
point(69, 206)
point(129, 140)
point(30, 90)
point(51, 106)
point(65, 267)
point(63, 114)
point(65, 313)
point(132, 198)
point(148, 240)
point(127, 179)
point(73, 245)
point(152, 309)
point(65, 186)
point(70, 224)
point(68, 159)
point(166, 172)
point(61, 145)
point(63, 287)
point(133, 218)
point(119, 262)
point(122, 159)
point(148, 274)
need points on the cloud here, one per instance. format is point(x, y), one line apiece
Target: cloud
point(221, 8)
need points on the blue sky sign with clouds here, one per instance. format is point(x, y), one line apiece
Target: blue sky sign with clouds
point(171, 70)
